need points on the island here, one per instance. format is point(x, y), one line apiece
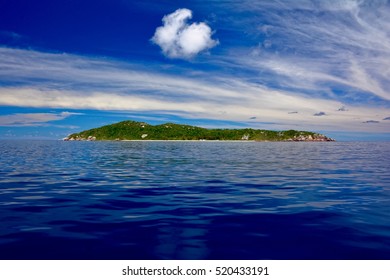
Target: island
point(132, 130)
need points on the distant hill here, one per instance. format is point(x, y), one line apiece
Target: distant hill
point(131, 130)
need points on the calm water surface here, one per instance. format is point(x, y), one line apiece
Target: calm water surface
point(194, 200)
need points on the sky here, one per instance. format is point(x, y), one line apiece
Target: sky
point(71, 65)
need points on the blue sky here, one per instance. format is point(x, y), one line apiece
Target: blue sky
point(70, 65)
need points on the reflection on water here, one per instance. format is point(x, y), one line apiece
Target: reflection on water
point(194, 200)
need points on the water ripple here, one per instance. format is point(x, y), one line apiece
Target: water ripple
point(194, 200)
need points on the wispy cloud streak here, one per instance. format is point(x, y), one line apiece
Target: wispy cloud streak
point(60, 81)
point(317, 47)
point(33, 119)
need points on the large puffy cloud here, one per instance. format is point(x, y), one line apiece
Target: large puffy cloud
point(178, 39)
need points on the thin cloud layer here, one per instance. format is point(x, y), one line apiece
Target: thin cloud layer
point(178, 39)
point(57, 81)
point(32, 119)
point(68, 82)
point(332, 49)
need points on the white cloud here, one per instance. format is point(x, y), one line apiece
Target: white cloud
point(69, 82)
point(266, 105)
point(317, 46)
point(33, 119)
point(178, 39)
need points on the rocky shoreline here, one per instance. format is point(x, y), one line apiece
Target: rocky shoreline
point(78, 138)
point(310, 138)
point(300, 138)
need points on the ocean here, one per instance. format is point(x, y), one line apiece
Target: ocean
point(194, 200)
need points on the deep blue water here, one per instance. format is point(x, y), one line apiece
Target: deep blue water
point(194, 200)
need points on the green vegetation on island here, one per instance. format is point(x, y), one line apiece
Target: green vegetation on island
point(131, 130)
